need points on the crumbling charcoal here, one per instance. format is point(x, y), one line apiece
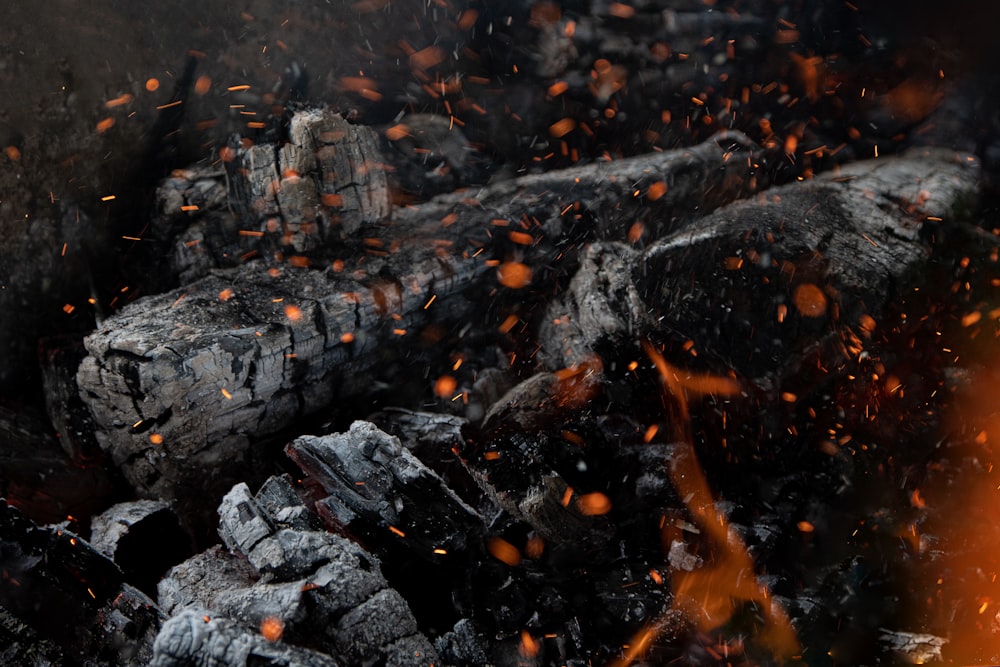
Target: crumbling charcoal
point(197, 581)
point(142, 537)
point(462, 646)
point(197, 639)
point(326, 592)
point(242, 523)
point(373, 479)
point(380, 620)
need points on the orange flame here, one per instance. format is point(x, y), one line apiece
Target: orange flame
point(708, 595)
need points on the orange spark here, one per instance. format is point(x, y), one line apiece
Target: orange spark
point(562, 127)
point(534, 547)
point(514, 275)
point(809, 300)
point(121, 100)
point(202, 85)
point(507, 324)
point(593, 504)
point(656, 190)
point(503, 551)
point(445, 386)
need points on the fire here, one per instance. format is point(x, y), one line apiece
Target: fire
point(709, 595)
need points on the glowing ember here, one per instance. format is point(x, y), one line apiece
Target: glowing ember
point(272, 628)
point(593, 504)
point(445, 386)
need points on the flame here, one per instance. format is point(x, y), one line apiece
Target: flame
point(964, 513)
point(708, 596)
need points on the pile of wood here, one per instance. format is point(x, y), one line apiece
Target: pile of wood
point(525, 508)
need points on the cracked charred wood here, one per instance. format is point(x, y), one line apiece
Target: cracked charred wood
point(60, 592)
point(322, 185)
point(738, 266)
point(186, 388)
point(375, 484)
point(435, 439)
point(143, 538)
point(326, 593)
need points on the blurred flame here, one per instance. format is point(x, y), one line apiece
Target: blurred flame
point(709, 594)
point(964, 513)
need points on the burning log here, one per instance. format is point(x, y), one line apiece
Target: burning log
point(760, 288)
point(188, 387)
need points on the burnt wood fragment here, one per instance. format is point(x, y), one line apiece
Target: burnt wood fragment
point(326, 593)
point(373, 480)
point(323, 184)
point(195, 638)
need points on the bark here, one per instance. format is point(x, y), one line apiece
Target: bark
point(187, 387)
